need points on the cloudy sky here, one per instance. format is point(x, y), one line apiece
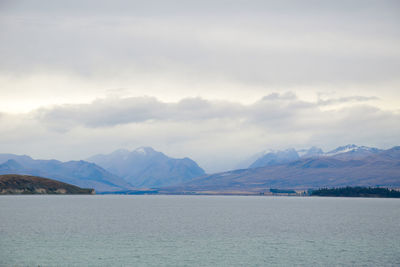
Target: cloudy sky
point(214, 80)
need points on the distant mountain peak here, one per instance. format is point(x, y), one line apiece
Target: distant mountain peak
point(357, 166)
point(144, 150)
point(146, 167)
point(76, 172)
point(276, 151)
point(311, 152)
point(10, 164)
point(350, 148)
point(275, 157)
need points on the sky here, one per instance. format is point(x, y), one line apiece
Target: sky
point(217, 81)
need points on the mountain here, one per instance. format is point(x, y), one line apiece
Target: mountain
point(23, 159)
point(10, 165)
point(79, 173)
point(245, 163)
point(392, 154)
point(24, 184)
point(275, 158)
point(382, 168)
point(346, 152)
point(271, 157)
point(349, 148)
point(311, 152)
point(352, 152)
point(145, 167)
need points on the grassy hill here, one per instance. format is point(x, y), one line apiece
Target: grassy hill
point(25, 184)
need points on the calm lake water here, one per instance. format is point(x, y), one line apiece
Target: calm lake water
point(116, 230)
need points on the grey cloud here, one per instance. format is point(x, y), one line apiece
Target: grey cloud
point(277, 96)
point(114, 111)
point(217, 134)
point(214, 49)
point(340, 100)
point(105, 112)
point(275, 112)
point(256, 42)
point(363, 123)
point(193, 7)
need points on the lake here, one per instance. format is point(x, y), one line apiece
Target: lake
point(157, 230)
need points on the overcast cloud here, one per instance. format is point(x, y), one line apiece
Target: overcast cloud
point(217, 134)
point(215, 80)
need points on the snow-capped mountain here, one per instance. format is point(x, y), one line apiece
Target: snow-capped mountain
point(311, 152)
point(352, 151)
point(347, 152)
point(382, 168)
point(347, 148)
point(146, 167)
point(275, 157)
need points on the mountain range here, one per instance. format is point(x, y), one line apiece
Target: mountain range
point(348, 152)
point(274, 158)
point(118, 171)
point(145, 167)
point(80, 173)
point(346, 166)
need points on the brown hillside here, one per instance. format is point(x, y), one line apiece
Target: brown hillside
point(25, 184)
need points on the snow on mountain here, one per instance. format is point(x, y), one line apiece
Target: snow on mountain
point(347, 152)
point(275, 158)
point(311, 152)
point(146, 167)
point(380, 168)
point(144, 150)
point(352, 148)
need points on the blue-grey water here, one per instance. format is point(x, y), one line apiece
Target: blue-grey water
point(116, 230)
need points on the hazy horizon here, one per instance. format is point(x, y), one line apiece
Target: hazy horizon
point(216, 81)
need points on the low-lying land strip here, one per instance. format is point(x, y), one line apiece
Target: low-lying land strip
point(357, 192)
point(25, 184)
